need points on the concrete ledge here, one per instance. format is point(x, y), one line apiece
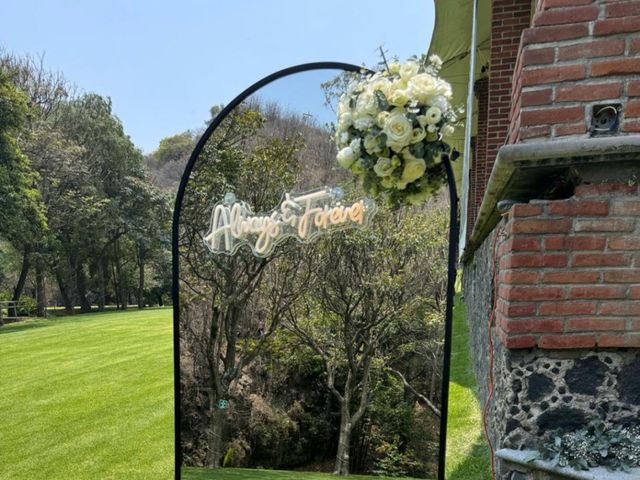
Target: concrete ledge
point(525, 171)
point(521, 457)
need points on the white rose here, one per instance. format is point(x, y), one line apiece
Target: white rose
point(436, 61)
point(440, 102)
point(381, 84)
point(422, 87)
point(443, 88)
point(343, 139)
point(398, 130)
point(345, 120)
point(343, 105)
point(346, 157)
point(383, 167)
point(363, 122)
point(399, 98)
point(433, 115)
point(366, 103)
point(394, 67)
point(408, 70)
point(431, 129)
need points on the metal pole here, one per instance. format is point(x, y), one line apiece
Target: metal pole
point(466, 165)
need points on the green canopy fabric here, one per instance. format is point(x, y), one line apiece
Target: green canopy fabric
point(451, 41)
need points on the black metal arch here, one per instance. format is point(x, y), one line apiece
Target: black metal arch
point(451, 276)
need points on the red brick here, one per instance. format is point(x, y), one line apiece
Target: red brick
point(595, 324)
point(567, 341)
point(620, 66)
point(518, 276)
point(627, 275)
point(626, 207)
point(538, 56)
point(534, 325)
point(617, 25)
point(519, 341)
point(535, 132)
point(566, 15)
point(634, 46)
point(623, 9)
point(599, 189)
point(574, 243)
point(634, 292)
point(536, 97)
point(598, 292)
point(567, 308)
point(535, 260)
point(564, 3)
point(541, 226)
point(626, 340)
point(517, 293)
point(633, 89)
point(605, 225)
point(525, 210)
point(612, 341)
point(569, 276)
point(560, 73)
point(554, 33)
point(511, 309)
point(587, 92)
point(635, 326)
point(631, 126)
point(597, 48)
point(552, 116)
point(619, 308)
point(571, 129)
point(600, 260)
point(584, 208)
point(624, 243)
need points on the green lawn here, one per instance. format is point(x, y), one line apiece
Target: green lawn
point(91, 397)
point(87, 397)
point(467, 450)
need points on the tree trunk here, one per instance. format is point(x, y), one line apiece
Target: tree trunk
point(24, 271)
point(214, 455)
point(68, 305)
point(81, 288)
point(102, 279)
point(41, 293)
point(342, 456)
point(141, 284)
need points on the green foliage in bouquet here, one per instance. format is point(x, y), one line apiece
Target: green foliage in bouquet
point(390, 129)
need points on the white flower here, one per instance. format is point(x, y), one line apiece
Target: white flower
point(346, 157)
point(363, 122)
point(448, 130)
point(355, 146)
point(408, 69)
point(443, 88)
point(381, 119)
point(383, 167)
point(398, 130)
point(343, 139)
point(433, 114)
point(345, 120)
point(431, 128)
point(366, 103)
point(440, 102)
point(371, 144)
point(394, 67)
point(422, 87)
point(417, 135)
point(399, 98)
point(381, 84)
point(436, 61)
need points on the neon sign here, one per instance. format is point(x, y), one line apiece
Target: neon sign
point(303, 216)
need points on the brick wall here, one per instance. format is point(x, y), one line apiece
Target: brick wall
point(480, 170)
point(569, 271)
point(577, 53)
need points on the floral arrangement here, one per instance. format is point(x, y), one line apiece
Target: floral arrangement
point(390, 129)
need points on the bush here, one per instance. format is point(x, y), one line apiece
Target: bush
point(617, 448)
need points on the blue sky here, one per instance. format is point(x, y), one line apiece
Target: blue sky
point(164, 64)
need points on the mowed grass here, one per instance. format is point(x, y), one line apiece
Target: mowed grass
point(91, 397)
point(87, 397)
point(247, 474)
point(467, 450)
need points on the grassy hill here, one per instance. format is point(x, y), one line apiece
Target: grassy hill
point(91, 397)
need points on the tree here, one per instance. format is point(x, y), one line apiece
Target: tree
point(365, 284)
point(230, 305)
